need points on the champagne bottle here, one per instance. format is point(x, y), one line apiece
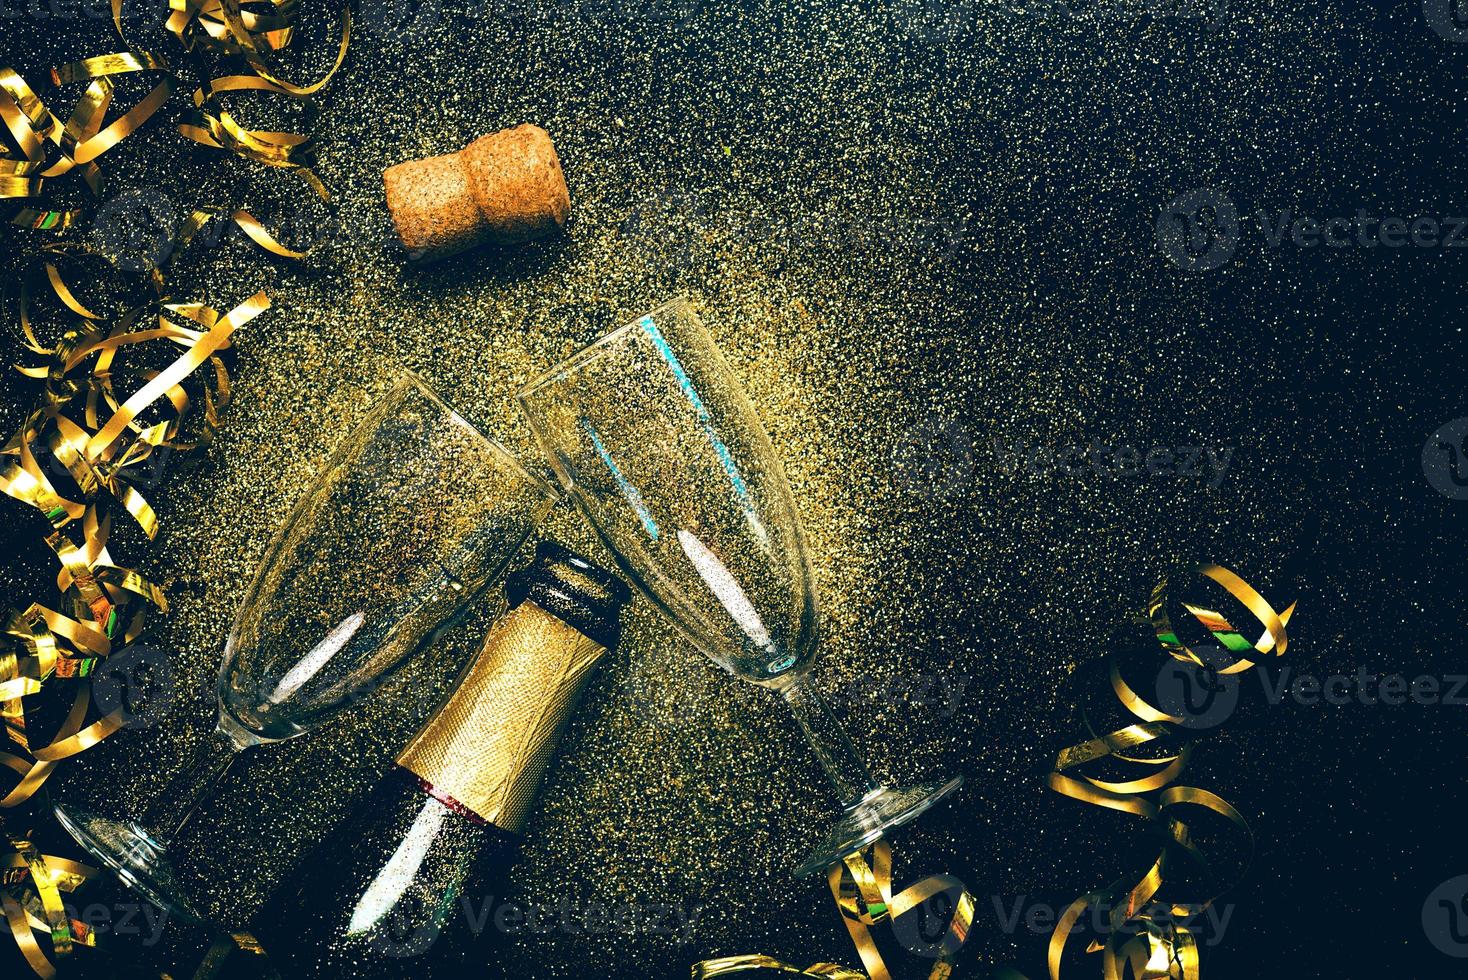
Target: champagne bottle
point(396, 889)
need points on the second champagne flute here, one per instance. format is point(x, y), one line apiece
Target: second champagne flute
point(654, 439)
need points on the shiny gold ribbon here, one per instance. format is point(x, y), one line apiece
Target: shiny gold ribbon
point(725, 965)
point(97, 453)
point(227, 28)
point(1136, 941)
point(223, 949)
point(30, 895)
point(49, 147)
point(97, 439)
point(862, 888)
point(85, 445)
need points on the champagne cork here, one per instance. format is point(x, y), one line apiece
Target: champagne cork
point(504, 188)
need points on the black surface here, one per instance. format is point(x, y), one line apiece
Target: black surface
point(772, 131)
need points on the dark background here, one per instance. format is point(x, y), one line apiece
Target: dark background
point(915, 229)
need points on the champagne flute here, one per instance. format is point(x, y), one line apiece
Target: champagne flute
point(653, 438)
point(415, 514)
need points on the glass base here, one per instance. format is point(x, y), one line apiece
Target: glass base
point(868, 821)
point(133, 853)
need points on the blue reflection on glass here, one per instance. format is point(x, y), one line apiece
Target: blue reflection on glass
point(726, 458)
point(628, 490)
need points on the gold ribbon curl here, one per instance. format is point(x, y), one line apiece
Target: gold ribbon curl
point(862, 888)
point(31, 886)
point(98, 441)
point(254, 32)
point(1137, 942)
point(47, 147)
point(84, 449)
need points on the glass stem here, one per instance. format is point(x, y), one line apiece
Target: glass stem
point(845, 769)
point(195, 786)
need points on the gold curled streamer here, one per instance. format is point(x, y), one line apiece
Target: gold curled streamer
point(206, 345)
point(99, 442)
point(76, 143)
point(260, 55)
point(36, 880)
point(725, 965)
point(225, 946)
point(20, 928)
point(49, 895)
point(862, 888)
point(221, 27)
point(1168, 949)
point(1157, 950)
point(96, 453)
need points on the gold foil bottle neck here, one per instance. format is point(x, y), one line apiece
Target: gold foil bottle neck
point(489, 745)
